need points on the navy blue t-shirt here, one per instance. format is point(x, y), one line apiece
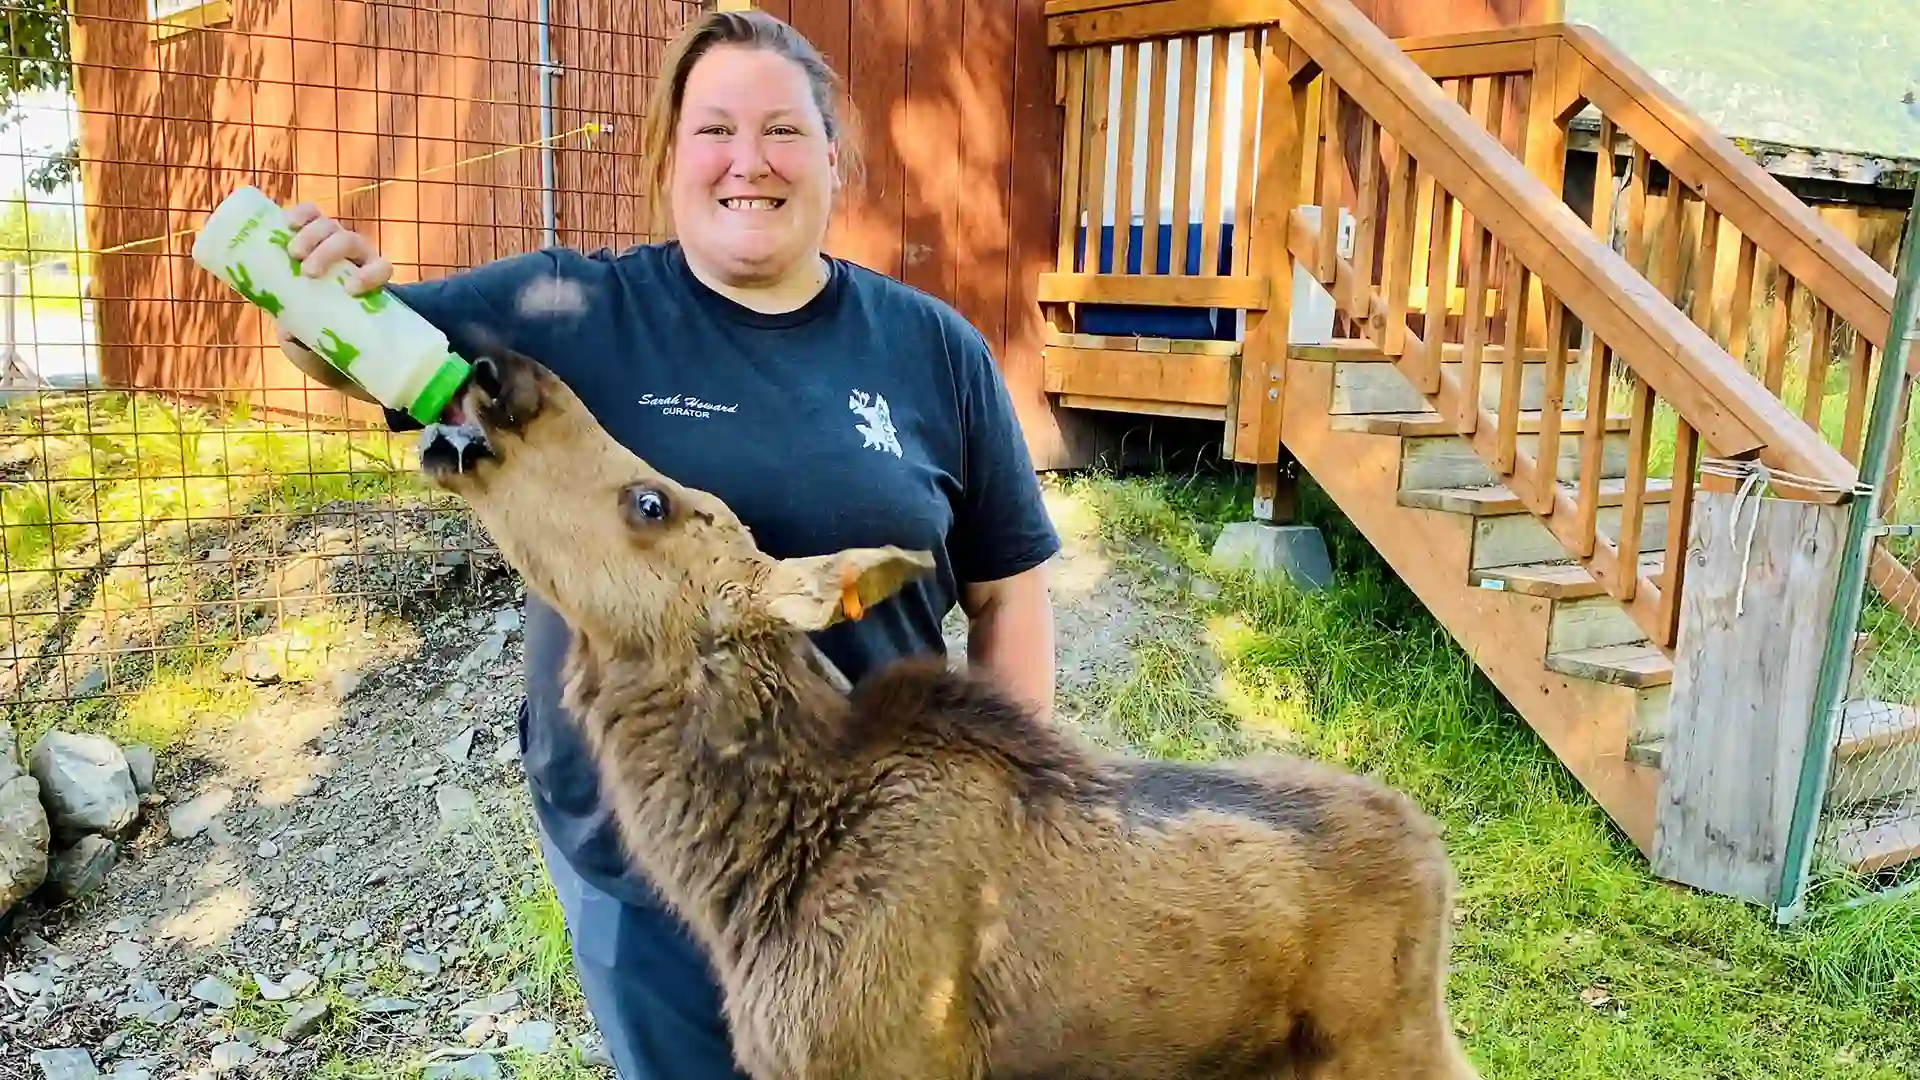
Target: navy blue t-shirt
point(873, 415)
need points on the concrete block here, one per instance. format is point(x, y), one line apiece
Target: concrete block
point(1298, 551)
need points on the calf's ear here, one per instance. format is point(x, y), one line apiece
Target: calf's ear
point(814, 592)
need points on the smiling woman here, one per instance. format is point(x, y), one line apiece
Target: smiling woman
point(745, 155)
point(831, 407)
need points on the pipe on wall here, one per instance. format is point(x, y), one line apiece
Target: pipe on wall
point(549, 71)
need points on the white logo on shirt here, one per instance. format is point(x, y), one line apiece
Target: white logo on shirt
point(877, 429)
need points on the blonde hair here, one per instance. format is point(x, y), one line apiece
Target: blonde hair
point(750, 29)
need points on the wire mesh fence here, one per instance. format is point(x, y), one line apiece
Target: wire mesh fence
point(185, 518)
point(1867, 835)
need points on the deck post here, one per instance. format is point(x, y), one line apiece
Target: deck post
point(1763, 575)
point(1272, 541)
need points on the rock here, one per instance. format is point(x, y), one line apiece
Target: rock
point(82, 868)
point(484, 654)
point(304, 1020)
point(191, 818)
point(24, 836)
point(10, 766)
point(534, 1036)
point(232, 1055)
point(128, 954)
point(67, 1064)
point(85, 785)
point(426, 964)
point(140, 762)
point(593, 1051)
point(456, 805)
point(70, 1063)
point(475, 1067)
point(345, 683)
point(216, 993)
point(298, 982)
point(384, 1005)
point(458, 748)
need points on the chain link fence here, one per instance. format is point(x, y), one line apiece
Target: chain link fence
point(187, 523)
point(1866, 837)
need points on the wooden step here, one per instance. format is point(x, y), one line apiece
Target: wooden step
point(1428, 423)
point(1885, 838)
point(1591, 623)
point(1434, 456)
point(1362, 351)
point(1557, 580)
point(1877, 755)
point(1366, 381)
point(1636, 666)
point(1496, 499)
point(1505, 533)
point(1437, 461)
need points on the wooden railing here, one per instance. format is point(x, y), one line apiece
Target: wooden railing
point(1413, 145)
point(1805, 309)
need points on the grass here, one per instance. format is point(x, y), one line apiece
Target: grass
point(1571, 960)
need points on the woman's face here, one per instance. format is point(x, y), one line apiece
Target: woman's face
point(753, 170)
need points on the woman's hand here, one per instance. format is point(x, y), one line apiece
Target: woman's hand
point(319, 242)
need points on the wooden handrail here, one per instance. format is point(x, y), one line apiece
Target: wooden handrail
point(1858, 289)
point(1713, 394)
point(1847, 286)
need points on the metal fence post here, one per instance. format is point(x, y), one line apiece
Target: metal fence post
point(1809, 799)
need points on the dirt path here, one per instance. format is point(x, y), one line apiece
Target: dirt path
point(344, 876)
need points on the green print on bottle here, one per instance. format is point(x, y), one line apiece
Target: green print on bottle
point(339, 353)
point(243, 284)
point(372, 303)
point(280, 238)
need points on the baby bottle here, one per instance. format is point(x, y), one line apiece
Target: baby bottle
point(374, 339)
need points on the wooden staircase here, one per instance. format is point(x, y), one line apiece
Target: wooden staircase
point(1542, 509)
point(1549, 636)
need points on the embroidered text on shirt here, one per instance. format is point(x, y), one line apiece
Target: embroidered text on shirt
point(683, 405)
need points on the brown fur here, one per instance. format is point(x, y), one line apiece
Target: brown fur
point(919, 879)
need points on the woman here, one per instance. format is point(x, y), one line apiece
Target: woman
point(830, 406)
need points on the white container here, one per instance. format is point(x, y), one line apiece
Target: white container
point(377, 341)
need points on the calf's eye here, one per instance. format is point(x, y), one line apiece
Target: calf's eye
point(647, 504)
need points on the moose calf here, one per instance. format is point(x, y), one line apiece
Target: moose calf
point(917, 878)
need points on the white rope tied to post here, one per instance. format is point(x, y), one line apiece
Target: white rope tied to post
point(1755, 477)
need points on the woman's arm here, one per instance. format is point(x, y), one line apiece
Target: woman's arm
point(1010, 634)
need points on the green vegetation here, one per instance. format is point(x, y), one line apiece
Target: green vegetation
point(1570, 960)
point(1817, 74)
point(163, 535)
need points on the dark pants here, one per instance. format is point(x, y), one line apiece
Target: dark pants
point(646, 982)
